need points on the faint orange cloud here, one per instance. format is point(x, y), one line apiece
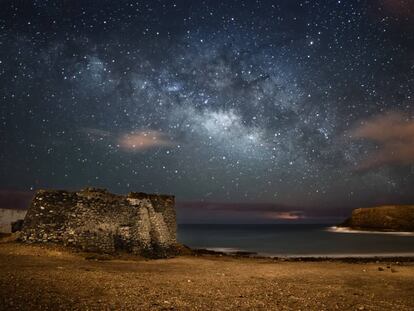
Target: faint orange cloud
point(394, 135)
point(399, 7)
point(129, 141)
point(293, 215)
point(143, 140)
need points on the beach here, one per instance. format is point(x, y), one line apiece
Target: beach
point(54, 278)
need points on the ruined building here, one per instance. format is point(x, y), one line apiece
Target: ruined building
point(98, 221)
point(8, 217)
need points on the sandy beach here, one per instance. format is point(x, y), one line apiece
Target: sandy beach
point(53, 278)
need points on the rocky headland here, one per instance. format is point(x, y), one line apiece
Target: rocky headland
point(382, 218)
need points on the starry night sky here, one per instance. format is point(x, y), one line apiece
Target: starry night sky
point(294, 109)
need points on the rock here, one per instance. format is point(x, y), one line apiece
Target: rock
point(380, 269)
point(382, 218)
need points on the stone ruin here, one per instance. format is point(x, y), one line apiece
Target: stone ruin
point(98, 221)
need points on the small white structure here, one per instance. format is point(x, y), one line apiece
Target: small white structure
point(7, 216)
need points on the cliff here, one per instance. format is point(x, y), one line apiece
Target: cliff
point(98, 221)
point(383, 218)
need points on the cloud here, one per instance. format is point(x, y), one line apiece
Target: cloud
point(393, 134)
point(399, 7)
point(143, 140)
point(293, 215)
point(233, 212)
point(139, 140)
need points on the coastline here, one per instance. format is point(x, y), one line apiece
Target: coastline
point(340, 229)
point(292, 241)
point(370, 257)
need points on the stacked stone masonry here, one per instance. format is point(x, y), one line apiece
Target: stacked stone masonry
point(98, 221)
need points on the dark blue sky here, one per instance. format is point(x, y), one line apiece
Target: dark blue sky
point(306, 106)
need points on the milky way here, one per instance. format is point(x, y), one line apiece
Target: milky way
point(225, 101)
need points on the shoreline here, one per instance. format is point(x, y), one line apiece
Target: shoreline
point(339, 229)
point(379, 257)
point(7, 238)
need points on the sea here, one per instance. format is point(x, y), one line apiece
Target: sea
point(286, 240)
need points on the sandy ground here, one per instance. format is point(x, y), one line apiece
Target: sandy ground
point(52, 278)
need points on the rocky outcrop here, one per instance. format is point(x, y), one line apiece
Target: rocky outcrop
point(383, 218)
point(98, 221)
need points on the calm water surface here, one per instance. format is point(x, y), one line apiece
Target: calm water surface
point(295, 240)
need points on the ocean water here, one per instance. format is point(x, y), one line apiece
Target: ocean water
point(296, 240)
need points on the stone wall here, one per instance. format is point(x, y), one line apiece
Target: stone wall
point(96, 220)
